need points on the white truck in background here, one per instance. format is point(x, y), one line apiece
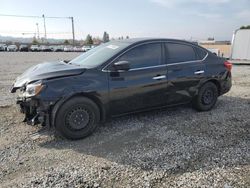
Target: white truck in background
point(241, 45)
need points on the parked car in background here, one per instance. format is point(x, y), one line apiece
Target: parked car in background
point(68, 48)
point(51, 48)
point(78, 49)
point(45, 48)
point(34, 48)
point(12, 48)
point(23, 48)
point(121, 77)
point(58, 48)
point(86, 48)
point(3, 47)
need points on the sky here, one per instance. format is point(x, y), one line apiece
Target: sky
point(183, 19)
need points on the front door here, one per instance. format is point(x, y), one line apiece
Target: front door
point(143, 85)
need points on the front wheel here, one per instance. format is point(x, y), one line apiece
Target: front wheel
point(206, 98)
point(77, 118)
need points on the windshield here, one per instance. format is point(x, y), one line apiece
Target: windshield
point(99, 55)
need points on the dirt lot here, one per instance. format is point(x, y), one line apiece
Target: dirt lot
point(176, 147)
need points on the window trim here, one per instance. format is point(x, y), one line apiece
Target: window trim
point(196, 48)
point(164, 56)
point(180, 43)
point(105, 68)
point(186, 62)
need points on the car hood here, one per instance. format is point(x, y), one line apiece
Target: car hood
point(46, 70)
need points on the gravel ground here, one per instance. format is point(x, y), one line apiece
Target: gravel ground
point(176, 147)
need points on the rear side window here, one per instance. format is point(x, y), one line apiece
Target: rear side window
point(180, 53)
point(145, 55)
point(200, 52)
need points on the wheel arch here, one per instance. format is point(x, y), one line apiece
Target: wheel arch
point(59, 103)
point(213, 80)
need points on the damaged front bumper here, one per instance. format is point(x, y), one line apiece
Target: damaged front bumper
point(36, 112)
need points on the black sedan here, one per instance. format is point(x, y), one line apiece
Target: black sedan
point(120, 77)
point(23, 48)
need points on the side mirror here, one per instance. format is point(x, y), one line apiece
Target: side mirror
point(122, 66)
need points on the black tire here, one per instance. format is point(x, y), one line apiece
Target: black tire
point(206, 98)
point(77, 118)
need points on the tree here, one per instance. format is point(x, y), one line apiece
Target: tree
point(66, 42)
point(245, 27)
point(34, 41)
point(17, 43)
point(210, 38)
point(97, 41)
point(89, 40)
point(127, 37)
point(105, 37)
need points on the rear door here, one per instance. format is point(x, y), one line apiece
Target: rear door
point(186, 67)
point(144, 85)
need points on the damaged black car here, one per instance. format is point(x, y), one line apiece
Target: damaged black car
point(120, 77)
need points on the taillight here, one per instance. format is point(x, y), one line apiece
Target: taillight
point(228, 65)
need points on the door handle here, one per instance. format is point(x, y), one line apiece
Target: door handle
point(199, 72)
point(159, 77)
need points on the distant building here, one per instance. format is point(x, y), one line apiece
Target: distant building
point(241, 45)
point(221, 48)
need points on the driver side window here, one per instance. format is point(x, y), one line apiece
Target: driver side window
point(145, 55)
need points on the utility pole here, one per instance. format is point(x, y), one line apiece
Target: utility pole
point(44, 23)
point(38, 34)
point(73, 30)
point(45, 33)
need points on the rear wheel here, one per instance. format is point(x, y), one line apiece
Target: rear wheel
point(77, 118)
point(206, 98)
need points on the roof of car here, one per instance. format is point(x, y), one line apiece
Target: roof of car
point(139, 40)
